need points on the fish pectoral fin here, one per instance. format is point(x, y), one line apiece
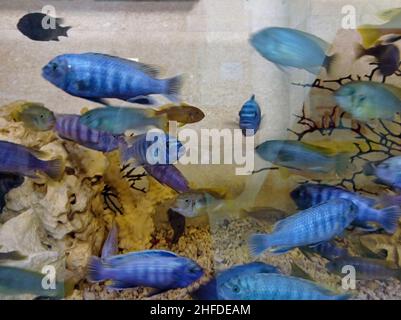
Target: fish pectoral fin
point(142, 100)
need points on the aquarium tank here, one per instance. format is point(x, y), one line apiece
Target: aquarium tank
point(200, 150)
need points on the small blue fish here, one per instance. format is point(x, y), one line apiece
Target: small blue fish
point(156, 148)
point(328, 250)
point(117, 120)
point(69, 127)
point(293, 48)
point(308, 195)
point(273, 286)
point(302, 156)
point(95, 76)
point(209, 291)
point(317, 224)
point(8, 181)
point(157, 269)
point(110, 246)
point(250, 116)
point(21, 160)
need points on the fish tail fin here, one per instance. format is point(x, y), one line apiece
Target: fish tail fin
point(258, 243)
point(96, 270)
point(389, 218)
point(370, 34)
point(173, 88)
point(64, 31)
point(329, 62)
point(389, 200)
point(55, 168)
point(359, 50)
point(342, 163)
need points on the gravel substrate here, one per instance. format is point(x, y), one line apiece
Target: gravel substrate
point(225, 244)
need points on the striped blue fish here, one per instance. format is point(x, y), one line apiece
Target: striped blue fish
point(69, 127)
point(155, 148)
point(250, 117)
point(309, 194)
point(274, 286)
point(21, 160)
point(317, 224)
point(157, 269)
point(95, 76)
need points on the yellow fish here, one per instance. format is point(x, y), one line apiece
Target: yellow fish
point(371, 33)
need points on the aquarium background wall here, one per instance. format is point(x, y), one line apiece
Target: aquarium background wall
point(64, 223)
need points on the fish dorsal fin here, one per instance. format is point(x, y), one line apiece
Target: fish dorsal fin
point(389, 14)
point(150, 70)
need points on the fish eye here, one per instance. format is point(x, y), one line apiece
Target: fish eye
point(236, 289)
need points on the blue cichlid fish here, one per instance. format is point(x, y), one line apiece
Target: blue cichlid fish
point(154, 149)
point(311, 226)
point(169, 175)
point(365, 269)
point(387, 55)
point(69, 127)
point(110, 246)
point(8, 181)
point(371, 33)
point(366, 100)
point(209, 291)
point(250, 116)
point(273, 286)
point(21, 160)
point(302, 156)
point(328, 250)
point(117, 120)
point(157, 269)
point(308, 195)
point(95, 76)
point(293, 48)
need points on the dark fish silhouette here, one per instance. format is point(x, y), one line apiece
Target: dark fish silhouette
point(177, 222)
point(8, 181)
point(32, 25)
point(387, 56)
